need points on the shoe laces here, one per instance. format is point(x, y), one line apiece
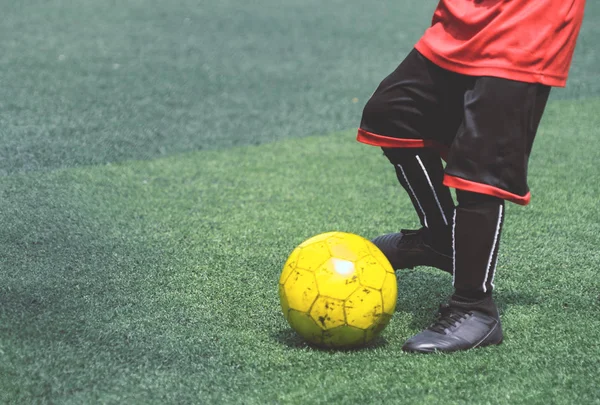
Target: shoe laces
point(448, 317)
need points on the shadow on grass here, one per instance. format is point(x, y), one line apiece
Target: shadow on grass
point(505, 299)
point(25, 304)
point(420, 292)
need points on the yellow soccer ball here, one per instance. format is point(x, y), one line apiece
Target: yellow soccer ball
point(338, 290)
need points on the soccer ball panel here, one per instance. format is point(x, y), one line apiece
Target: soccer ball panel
point(344, 337)
point(337, 278)
point(328, 312)
point(347, 246)
point(305, 326)
point(389, 293)
point(370, 272)
point(289, 266)
point(312, 256)
point(301, 290)
point(363, 308)
point(376, 329)
point(379, 256)
point(284, 302)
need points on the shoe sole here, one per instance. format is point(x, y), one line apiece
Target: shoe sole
point(482, 343)
point(478, 346)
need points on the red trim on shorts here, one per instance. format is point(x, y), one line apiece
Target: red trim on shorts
point(468, 185)
point(389, 142)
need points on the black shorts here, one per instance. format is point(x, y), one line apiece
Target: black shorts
point(484, 127)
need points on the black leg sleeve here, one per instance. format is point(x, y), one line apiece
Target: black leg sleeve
point(476, 239)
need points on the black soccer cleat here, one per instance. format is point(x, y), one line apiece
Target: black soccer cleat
point(458, 328)
point(408, 249)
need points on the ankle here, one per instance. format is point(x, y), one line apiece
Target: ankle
point(475, 300)
point(468, 296)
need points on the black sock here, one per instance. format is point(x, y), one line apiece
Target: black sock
point(421, 173)
point(477, 228)
point(470, 296)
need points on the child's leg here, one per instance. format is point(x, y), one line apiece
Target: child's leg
point(487, 164)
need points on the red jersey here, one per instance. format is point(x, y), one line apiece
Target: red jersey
point(526, 40)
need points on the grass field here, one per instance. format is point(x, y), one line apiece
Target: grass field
point(159, 161)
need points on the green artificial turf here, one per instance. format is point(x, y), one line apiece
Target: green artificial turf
point(160, 160)
point(97, 81)
point(156, 281)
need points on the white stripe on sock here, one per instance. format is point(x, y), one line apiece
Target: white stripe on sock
point(453, 249)
point(413, 193)
point(432, 190)
point(494, 273)
point(489, 266)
